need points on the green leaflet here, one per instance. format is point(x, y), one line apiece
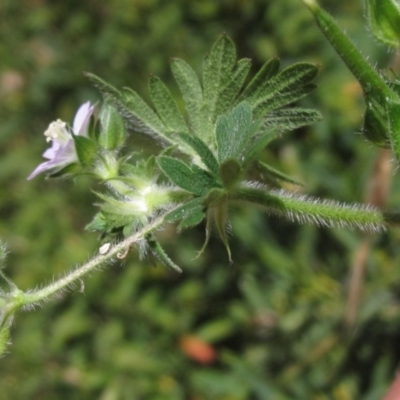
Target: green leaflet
point(232, 88)
point(105, 88)
point(222, 77)
point(258, 144)
point(189, 214)
point(141, 117)
point(291, 118)
point(190, 88)
point(283, 99)
point(185, 210)
point(132, 108)
point(195, 179)
point(207, 157)
point(116, 98)
point(160, 253)
point(234, 130)
point(286, 87)
point(166, 107)
point(260, 80)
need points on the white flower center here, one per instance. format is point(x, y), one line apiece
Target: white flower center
point(140, 204)
point(57, 131)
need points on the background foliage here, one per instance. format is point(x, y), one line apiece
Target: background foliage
point(277, 324)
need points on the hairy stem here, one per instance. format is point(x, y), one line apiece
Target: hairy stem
point(37, 296)
point(305, 209)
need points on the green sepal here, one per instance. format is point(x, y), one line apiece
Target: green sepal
point(123, 208)
point(202, 150)
point(67, 171)
point(86, 150)
point(393, 112)
point(214, 197)
point(375, 126)
point(384, 20)
point(112, 132)
point(193, 179)
point(220, 216)
point(160, 253)
point(98, 223)
point(229, 172)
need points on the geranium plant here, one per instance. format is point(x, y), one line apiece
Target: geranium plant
point(211, 157)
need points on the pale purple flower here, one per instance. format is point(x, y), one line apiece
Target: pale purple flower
point(62, 151)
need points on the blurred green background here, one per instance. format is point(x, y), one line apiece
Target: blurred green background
point(277, 324)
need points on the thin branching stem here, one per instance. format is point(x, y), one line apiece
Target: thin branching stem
point(37, 296)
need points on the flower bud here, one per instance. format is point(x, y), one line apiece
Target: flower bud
point(384, 20)
point(112, 130)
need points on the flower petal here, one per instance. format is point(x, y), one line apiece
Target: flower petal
point(82, 117)
point(52, 151)
point(64, 156)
